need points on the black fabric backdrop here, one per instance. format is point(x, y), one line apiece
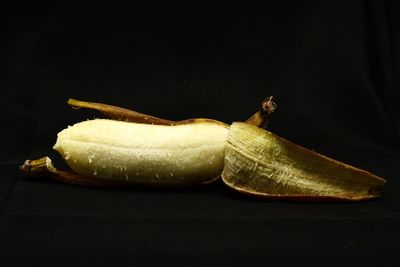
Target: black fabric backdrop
point(333, 68)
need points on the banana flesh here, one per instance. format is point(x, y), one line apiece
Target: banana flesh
point(144, 153)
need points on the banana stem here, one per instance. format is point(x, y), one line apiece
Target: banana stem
point(262, 117)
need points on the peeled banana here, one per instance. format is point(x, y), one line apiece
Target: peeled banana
point(135, 148)
point(145, 153)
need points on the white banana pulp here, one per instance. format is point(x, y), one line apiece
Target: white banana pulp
point(144, 153)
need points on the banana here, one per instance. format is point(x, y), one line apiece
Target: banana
point(135, 148)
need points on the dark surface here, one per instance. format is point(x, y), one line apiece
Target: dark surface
point(333, 70)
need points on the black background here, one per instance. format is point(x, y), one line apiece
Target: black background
point(333, 68)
